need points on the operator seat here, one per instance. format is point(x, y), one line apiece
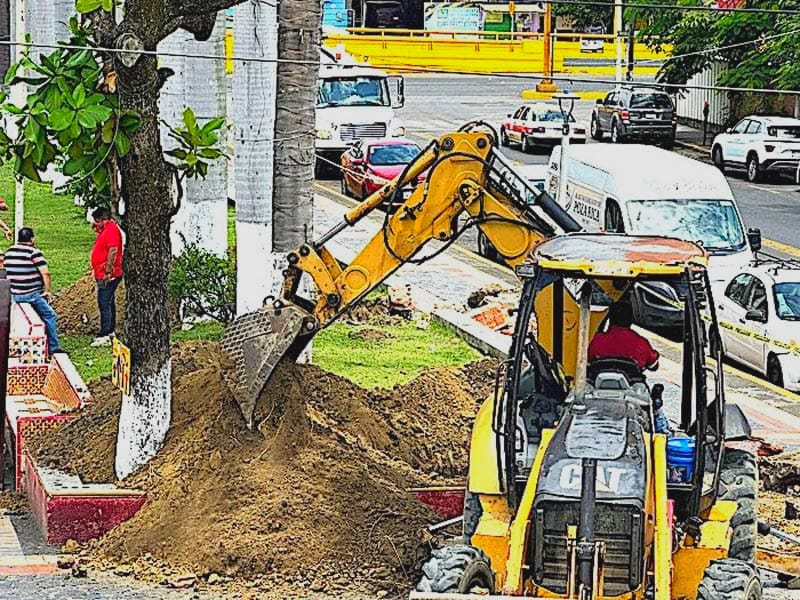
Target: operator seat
point(623, 366)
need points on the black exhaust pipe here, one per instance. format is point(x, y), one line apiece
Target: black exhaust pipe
point(586, 535)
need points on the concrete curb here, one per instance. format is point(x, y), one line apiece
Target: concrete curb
point(691, 146)
point(534, 95)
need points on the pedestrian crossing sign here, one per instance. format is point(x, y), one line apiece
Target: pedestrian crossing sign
point(121, 366)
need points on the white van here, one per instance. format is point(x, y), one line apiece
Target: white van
point(642, 189)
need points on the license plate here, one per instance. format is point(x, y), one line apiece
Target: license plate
point(650, 116)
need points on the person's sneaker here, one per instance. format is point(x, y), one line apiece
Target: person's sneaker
point(101, 341)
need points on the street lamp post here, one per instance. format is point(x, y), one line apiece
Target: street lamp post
point(566, 104)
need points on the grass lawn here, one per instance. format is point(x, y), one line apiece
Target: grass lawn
point(66, 238)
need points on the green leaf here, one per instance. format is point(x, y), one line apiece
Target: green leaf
point(130, 122)
point(86, 119)
point(108, 5)
point(62, 118)
point(11, 73)
point(86, 6)
point(122, 143)
point(73, 166)
point(213, 124)
point(108, 131)
point(26, 168)
point(79, 96)
point(99, 112)
point(177, 153)
point(191, 125)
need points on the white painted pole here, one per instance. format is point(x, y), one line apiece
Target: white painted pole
point(18, 94)
point(618, 38)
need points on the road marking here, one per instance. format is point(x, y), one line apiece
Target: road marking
point(780, 246)
point(770, 190)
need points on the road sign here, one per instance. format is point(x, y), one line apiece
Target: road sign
point(121, 366)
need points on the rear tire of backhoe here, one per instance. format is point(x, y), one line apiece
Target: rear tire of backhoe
point(729, 579)
point(739, 482)
point(472, 514)
point(457, 569)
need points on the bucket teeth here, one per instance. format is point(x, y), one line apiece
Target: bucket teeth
point(256, 343)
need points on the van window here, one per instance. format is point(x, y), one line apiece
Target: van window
point(713, 223)
point(353, 91)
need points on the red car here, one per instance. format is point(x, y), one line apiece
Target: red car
point(369, 165)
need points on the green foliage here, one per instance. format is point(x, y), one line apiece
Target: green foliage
point(204, 284)
point(761, 50)
point(87, 6)
point(584, 16)
point(196, 145)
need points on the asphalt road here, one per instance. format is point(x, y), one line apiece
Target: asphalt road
point(437, 104)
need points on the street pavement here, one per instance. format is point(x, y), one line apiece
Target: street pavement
point(438, 104)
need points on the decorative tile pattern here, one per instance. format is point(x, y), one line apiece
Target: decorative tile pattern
point(26, 379)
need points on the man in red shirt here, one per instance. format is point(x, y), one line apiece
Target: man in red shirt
point(620, 341)
point(106, 259)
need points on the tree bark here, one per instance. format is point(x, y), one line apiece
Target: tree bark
point(146, 185)
point(253, 120)
point(299, 35)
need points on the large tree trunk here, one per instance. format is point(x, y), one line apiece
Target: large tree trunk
point(253, 120)
point(298, 40)
point(146, 184)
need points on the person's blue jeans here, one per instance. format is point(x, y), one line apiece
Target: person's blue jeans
point(106, 302)
point(45, 312)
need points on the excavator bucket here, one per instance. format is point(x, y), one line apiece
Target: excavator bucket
point(256, 343)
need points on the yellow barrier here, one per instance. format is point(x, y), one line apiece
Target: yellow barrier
point(482, 52)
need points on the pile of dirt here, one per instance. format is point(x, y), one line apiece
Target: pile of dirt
point(12, 503)
point(76, 307)
point(781, 473)
point(316, 498)
point(375, 311)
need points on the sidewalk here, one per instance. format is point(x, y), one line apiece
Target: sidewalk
point(692, 139)
point(442, 285)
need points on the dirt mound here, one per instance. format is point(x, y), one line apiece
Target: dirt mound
point(76, 307)
point(316, 498)
point(377, 311)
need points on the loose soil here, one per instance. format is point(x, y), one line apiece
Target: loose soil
point(12, 503)
point(76, 307)
point(316, 498)
point(375, 311)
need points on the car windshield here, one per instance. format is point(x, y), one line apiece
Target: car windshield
point(353, 91)
point(553, 115)
point(651, 100)
point(713, 223)
point(787, 300)
point(784, 132)
point(395, 154)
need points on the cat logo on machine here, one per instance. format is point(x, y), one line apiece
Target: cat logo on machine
point(608, 478)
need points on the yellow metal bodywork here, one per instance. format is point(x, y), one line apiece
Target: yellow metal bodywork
point(689, 562)
point(662, 539)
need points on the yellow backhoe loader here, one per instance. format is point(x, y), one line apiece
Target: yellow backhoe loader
point(572, 491)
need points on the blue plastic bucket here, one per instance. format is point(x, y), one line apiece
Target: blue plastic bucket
point(680, 460)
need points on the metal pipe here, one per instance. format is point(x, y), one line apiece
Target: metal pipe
point(767, 529)
point(583, 342)
point(663, 535)
point(586, 526)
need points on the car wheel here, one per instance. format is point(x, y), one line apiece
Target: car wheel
point(774, 372)
point(716, 158)
point(524, 147)
point(597, 133)
point(616, 134)
point(753, 168)
point(503, 138)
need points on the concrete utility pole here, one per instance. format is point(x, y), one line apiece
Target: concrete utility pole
point(618, 33)
point(18, 95)
point(255, 27)
point(199, 84)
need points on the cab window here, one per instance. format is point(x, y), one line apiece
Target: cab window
point(741, 126)
point(758, 297)
point(754, 127)
point(525, 112)
point(611, 99)
point(737, 288)
point(518, 114)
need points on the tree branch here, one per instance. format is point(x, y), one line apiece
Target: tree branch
point(190, 8)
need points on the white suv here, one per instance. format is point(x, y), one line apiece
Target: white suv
point(759, 145)
point(761, 308)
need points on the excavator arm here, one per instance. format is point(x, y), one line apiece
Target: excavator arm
point(466, 177)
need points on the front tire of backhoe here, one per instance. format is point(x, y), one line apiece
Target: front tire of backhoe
point(739, 481)
point(457, 569)
point(729, 579)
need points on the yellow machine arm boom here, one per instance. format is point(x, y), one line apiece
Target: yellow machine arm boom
point(465, 176)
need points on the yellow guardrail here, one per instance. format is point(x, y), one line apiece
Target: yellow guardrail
point(484, 51)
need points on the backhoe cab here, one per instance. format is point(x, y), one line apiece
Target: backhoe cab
point(571, 493)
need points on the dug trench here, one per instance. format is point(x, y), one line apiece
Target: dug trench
point(316, 499)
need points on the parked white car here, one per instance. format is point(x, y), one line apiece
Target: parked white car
point(763, 303)
point(759, 145)
point(538, 125)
